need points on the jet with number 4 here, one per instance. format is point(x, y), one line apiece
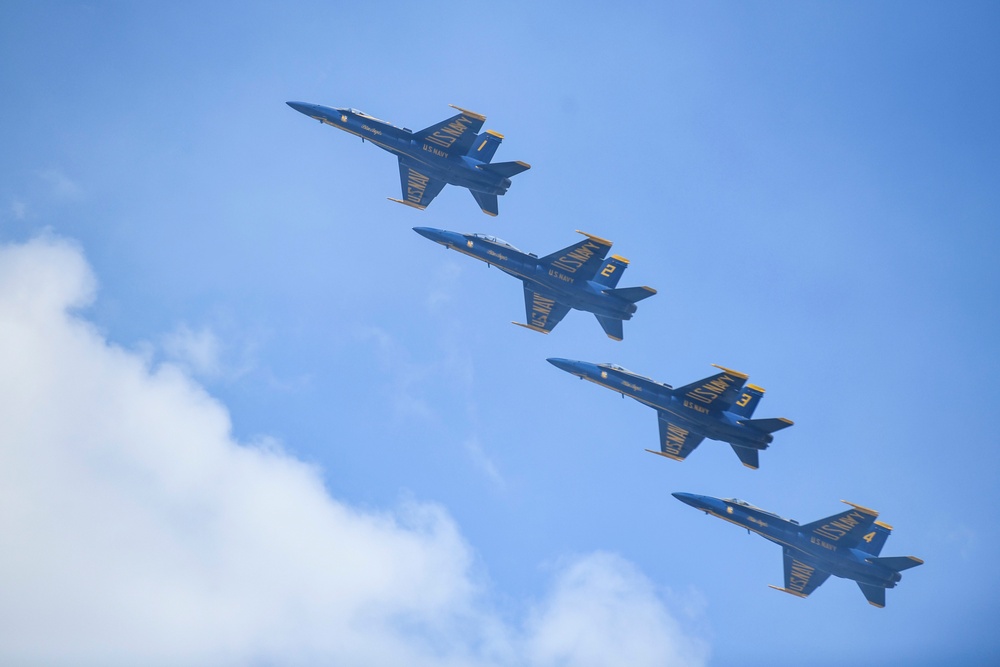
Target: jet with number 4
point(578, 277)
point(719, 407)
point(450, 152)
point(845, 545)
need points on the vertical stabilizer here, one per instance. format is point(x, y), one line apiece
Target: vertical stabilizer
point(873, 541)
point(611, 272)
point(748, 401)
point(485, 146)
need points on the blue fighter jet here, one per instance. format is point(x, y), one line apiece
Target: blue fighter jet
point(719, 407)
point(846, 545)
point(451, 151)
point(574, 277)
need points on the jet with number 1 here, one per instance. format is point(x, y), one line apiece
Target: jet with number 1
point(450, 152)
point(578, 277)
point(719, 407)
point(846, 545)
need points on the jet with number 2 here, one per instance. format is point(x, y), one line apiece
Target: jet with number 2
point(578, 277)
point(846, 545)
point(719, 407)
point(450, 152)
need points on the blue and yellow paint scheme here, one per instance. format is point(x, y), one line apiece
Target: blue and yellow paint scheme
point(580, 276)
point(845, 545)
point(720, 407)
point(450, 152)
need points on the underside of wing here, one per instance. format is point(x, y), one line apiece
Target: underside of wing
point(453, 136)
point(846, 529)
point(542, 312)
point(675, 442)
point(418, 189)
point(717, 392)
point(580, 261)
point(801, 578)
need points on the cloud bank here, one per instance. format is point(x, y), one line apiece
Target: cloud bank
point(137, 531)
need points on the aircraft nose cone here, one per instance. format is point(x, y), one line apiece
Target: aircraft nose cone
point(567, 365)
point(436, 235)
point(301, 107)
point(691, 499)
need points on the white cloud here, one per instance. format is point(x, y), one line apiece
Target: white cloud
point(602, 611)
point(19, 209)
point(200, 351)
point(62, 186)
point(137, 531)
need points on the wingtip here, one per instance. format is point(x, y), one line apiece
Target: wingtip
point(407, 203)
point(742, 376)
point(860, 508)
point(665, 455)
point(477, 116)
point(785, 590)
point(528, 326)
point(595, 238)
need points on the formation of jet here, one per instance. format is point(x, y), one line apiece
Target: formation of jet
point(845, 545)
point(578, 277)
point(581, 276)
point(719, 407)
point(450, 152)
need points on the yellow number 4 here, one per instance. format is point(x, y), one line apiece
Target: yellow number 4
point(869, 537)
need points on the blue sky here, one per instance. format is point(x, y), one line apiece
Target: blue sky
point(251, 417)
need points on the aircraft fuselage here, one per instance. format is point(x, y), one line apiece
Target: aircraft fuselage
point(847, 563)
point(685, 412)
point(552, 283)
point(432, 153)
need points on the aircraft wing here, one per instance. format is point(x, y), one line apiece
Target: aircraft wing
point(455, 135)
point(418, 189)
point(801, 578)
point(675, 442)
point(846, 529)
point(542, 312)
point(717, 392)
point(580, 260)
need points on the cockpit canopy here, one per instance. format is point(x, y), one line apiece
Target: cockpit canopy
point(743, 503)
point(494, 239)
point(616, 367)
point(358, 112)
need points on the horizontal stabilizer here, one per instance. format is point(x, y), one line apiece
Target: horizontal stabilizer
point(487, 202)
point(874, 594)
point(769, 425)
point(748, 456)
point(611, 326)
point(897, 563)
point(632, 294)
point(506, 169)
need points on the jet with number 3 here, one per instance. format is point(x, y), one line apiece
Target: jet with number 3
point(719, 407)
point(846, 545)
point(450, 152)
point(578, 276)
